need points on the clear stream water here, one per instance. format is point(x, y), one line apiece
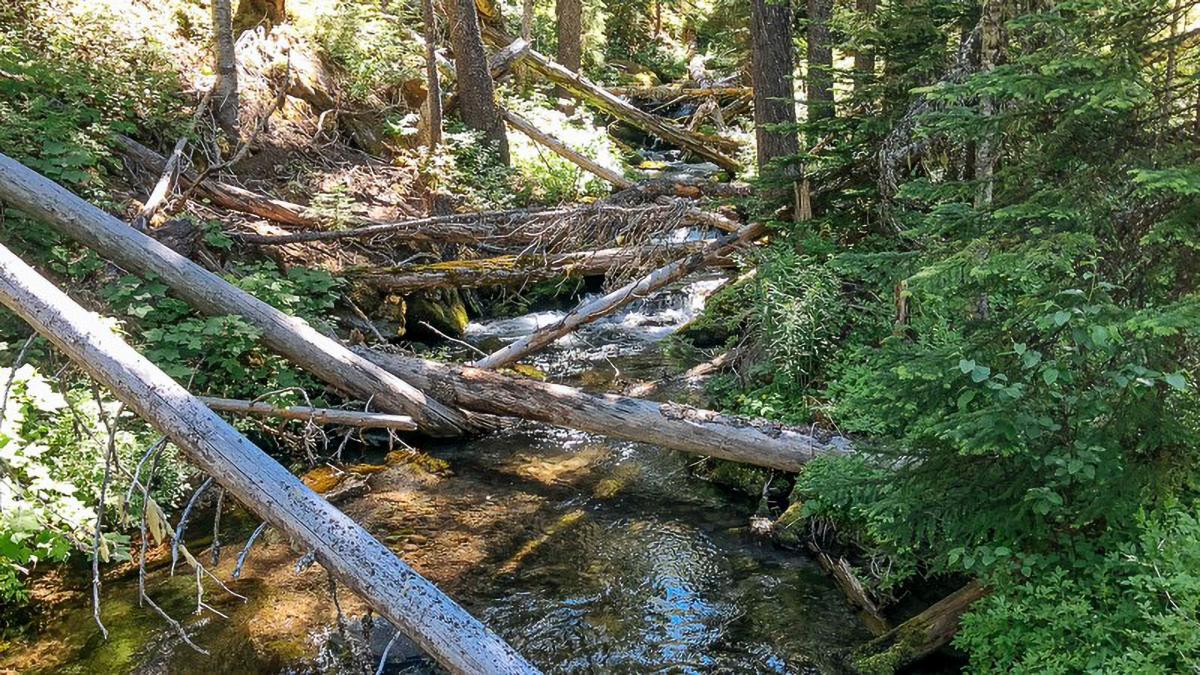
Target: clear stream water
point(589, 555)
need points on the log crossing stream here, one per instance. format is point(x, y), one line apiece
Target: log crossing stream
point(586, 554)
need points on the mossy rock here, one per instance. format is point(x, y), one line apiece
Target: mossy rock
point(741, 477)
point(725, 316)
point(443, 309)
point(789, 527)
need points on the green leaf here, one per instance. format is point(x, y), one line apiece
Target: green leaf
point(966, 365)
point(965, 398)
point(980, 373)
point(1177, 381)
point(1050, 375)
point(1061, 317)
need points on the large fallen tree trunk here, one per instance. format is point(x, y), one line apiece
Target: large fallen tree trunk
point(422, 612)
point(709, 147)
point(515, 270)
point(563, 150)
point(591, 310)
point(668, 425)
point(918, 637)
point(321, 355)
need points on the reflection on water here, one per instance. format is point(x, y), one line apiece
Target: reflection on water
point(589, 555)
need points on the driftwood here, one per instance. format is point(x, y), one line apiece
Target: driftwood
point(591, 310)
point(515, 270)
point(431, 619)
point(691, 376)
point(563, 150)
point(918, 637)
point(707, 146)
point(697, 189)
point(347, 418)
point(321, 355)
point(669, 425)
point(843, 575)
point(671, 91)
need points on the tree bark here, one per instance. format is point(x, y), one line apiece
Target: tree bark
point(667, 92)
point(820, 60)
point(435, 622)
point(706, 146)
point(592, 310)
point(527, 21)
point(476, 91)
point(668, 425)
point(918, 637)
point(991, 52)
point(568, 16)
point(514, 270)
point(563, 150)
point(225, 89)
point(772, 67)
point(433, 83)
point(864, 59)
point(321, 355)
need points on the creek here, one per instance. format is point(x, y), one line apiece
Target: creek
point(587, 554)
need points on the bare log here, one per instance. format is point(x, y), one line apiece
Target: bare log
point(669, 425)
point(918, 637)
point(591, 310)
point(843, 575)
point(513, 270)
point(431, 619)
point(585, 90)
point(666, 92)
point(321, 355)
point(563, 150)
point(346, 418)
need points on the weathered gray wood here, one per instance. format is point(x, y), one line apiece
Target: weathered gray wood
point(515, 270)
point(668, 425)
point(347, 418)
point(591, 310)
point(431, 619)
point(563, 150)
point(666, 92)
point(161, 188)
point(587, 91)
point(321, 355)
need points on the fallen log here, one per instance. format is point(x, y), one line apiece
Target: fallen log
point(918, 637)
point(224, 195)
point(669, 91)
point(563, 150)
point(416, 607)
point(346, 418)
point(514, 270)
point(707, 146)
point(696, 189)
point(692, 376)
point(850, 585)
point(669, 425)
point(321, 355)
point(591, 310)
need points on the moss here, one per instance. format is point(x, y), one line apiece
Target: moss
point(789, 526)
point(725, 316)
point(887, 653)
point(741, 477)
point(443, 309)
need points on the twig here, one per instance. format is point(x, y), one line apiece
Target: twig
point(464, 343)
point(12, 374)
point(241, 560)
point(109, 452)
point(216, 539)
point(386, 650)
point(183, 519)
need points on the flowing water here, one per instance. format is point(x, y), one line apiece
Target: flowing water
point(588, 554)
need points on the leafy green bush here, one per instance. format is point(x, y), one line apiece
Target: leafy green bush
point(375, 50)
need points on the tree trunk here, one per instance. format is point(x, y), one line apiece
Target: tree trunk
point(991, 51)
point(252, 13)
point(918, 637)
point(513, 270)
point(527, 21)
point(820, 60)
point(591, 310)
point(331, 416)
point(433, 84)
point(864, 59)
point(668, 425)
point(563, 150)
point(321, 355)
point(568, 16)
point(416, 607)
point(772, 67)
point(476, 91)
point(225, 89)
point(709, 147)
